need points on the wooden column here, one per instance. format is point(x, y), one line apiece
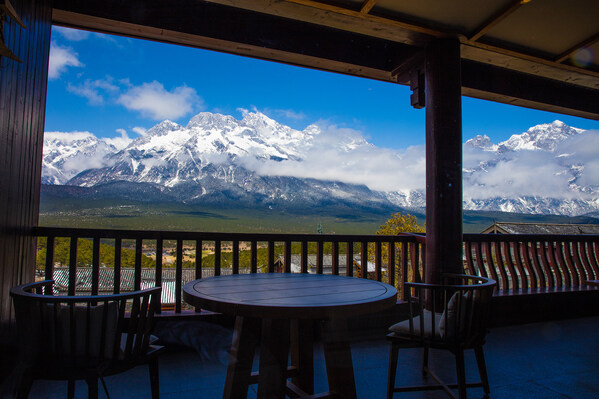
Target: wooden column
point(22, 110)
point(443, 158)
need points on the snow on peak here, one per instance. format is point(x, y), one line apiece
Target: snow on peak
point(545, 136)
point(482, 142)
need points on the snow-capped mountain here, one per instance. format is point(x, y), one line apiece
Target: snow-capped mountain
point(217, 158)
point(545, 165)
point(67, 154)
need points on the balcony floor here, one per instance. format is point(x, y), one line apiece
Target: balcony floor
point(543, 360)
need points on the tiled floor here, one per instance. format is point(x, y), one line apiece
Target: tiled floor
point(544, 360)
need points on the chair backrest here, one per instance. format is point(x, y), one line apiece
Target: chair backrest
point(62, 333)
point(453, 313)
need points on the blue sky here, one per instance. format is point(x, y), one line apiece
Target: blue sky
point(108, 85)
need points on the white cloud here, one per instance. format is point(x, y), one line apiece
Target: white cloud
point(119, 142)
point(140, 130)
point(154, 101)
point(93, 90)
point(74, 35)
point(60, 58)
point(355, 161)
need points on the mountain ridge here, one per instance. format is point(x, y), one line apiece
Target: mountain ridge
point(215, 158)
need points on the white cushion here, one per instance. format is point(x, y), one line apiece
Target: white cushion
point(403, 327)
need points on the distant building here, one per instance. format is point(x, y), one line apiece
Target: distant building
point(540, 228)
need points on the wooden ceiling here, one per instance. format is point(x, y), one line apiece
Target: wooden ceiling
point(541, 54)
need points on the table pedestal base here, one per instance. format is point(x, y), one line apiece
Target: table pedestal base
point(278, 339)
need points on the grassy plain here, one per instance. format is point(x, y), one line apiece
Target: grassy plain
point(121, 214)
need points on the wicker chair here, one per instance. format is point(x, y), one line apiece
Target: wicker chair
point(452, 316)
point(83, 337)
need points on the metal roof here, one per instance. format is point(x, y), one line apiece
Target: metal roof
point(541, 228)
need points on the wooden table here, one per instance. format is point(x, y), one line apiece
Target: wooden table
point(288, 305)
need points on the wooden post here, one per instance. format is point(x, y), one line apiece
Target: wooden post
point(443, 159)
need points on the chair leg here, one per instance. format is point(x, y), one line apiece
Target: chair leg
point(482, 369)
point(92, 388)
point(154, 379)
point(424, 360)
point(393, 354)
point(461, 371)
point(71, 389)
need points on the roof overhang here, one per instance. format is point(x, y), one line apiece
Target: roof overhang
point(372, 39)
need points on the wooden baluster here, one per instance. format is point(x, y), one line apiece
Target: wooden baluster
point(518, 281)
point(482, 268)
point(545, 263)
point(591, 249)
point(515, 253)
point(486, 248)
point(524, 259)
point(567, 252)
point(349, 259)
point(96, 266)
point(254, 257)
point(217, 253)
point(584, 255)
point(271, 256)
point(73, 265)
point(562, 264)
point(118, 245)
point(178, 275)
point(158, 276)
point(581, 265)
point(319, 257)
point(496, 254)
point(49, 272)
point(199, 255)
point(287, 256)
point(391, 263)
point(335, 257)
point(137, 279)
point(235, 249)
point(469, 261)
point(364, 259)
point(304, 257)
point(404, 270)
point(534, 257)
point(553, 263)
point(377, 261)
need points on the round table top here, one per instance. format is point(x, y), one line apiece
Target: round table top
point(289, 295)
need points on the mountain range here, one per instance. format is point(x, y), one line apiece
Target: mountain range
point(256, 161)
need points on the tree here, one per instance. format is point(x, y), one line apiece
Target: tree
point(400, 223)
point(397, 224)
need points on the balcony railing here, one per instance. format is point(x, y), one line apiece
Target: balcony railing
point(90, 257)
point(523, 263)
point(96, 261)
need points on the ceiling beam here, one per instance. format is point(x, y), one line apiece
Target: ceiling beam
point(571, 51)
point(367, 6)
point(493, 83)
point(495, 19)
point(368, 17)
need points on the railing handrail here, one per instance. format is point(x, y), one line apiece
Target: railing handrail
point(195, 235)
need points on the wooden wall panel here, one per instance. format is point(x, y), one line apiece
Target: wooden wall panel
point(22, 109)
